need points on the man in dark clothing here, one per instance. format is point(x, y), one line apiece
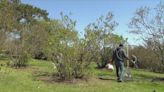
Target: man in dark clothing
point(118, 56)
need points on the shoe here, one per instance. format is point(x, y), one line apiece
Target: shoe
point(119, 80)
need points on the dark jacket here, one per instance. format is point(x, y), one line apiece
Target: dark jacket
point(119, 55)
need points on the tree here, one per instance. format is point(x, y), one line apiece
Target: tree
point(101, 39)
point(7, 22)
point(69, 53)
point(37, 44)
point(148, 23)
point(18, 20)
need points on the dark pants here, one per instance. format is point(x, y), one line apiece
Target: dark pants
point(120, 70)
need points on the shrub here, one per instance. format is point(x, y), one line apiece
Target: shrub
point(105, 54)
point(19, 60)
point(18, 56)
point(147, 59)
point(72, 62)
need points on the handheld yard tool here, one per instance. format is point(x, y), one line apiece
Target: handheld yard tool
point(128, 70)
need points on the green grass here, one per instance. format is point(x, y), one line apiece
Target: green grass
point(27, 80)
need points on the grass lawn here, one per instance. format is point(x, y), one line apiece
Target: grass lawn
point(37, 78)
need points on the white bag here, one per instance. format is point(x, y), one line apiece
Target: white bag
point(110, 67)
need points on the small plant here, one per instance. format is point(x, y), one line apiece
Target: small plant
point(18, 56)
point(19, 60)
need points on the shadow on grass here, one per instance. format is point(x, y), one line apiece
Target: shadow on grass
point(151, 78)
point(104, 77)
point(54, 78)
point(157, 79)
point(107, 78)
point(144, 76)
point(42, 76)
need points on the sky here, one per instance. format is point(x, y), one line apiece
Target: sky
point(87, 11)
